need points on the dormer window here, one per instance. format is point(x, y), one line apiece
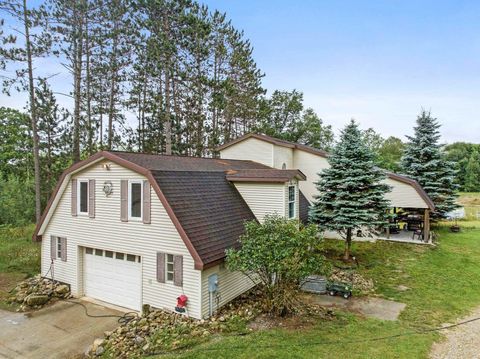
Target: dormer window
point(82, 196)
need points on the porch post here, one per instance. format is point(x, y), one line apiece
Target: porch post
point(426, 225)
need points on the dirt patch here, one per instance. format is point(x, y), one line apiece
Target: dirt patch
point(366, 306)
point(460, 342)
point(293, 322)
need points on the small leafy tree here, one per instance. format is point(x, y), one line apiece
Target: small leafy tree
point(278, 254)
point(350, 192)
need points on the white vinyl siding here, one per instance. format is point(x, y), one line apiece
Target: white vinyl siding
point(263, 198)
point(282, 155)
point(109, 233)
point(310, 165)
point(250, 149)
point(404, 195)
point(230, 286)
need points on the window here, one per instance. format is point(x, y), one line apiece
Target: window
point(119, 256)
point(135, 199)
point(291, 201)
point(109, 254)
point(59, 247)
point(169, 267)
point(98, 252)
point(89, 250)
point(130, 258)
point(83, 196)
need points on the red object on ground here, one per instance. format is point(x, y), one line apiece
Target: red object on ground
point(182, 301)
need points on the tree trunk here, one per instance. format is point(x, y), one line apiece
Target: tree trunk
point(348, 245)
point(88, 91)
point(167, 120)
point(113, 79)
point(33, 115)
point(77, 66)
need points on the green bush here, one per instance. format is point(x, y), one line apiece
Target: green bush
point(279, 254)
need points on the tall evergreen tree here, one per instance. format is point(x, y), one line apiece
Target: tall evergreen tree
point(425, 162)
point(351, 194)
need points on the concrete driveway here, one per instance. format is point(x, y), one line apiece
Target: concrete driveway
point(59, 331)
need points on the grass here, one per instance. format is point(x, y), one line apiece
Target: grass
point(443, 287)
point(19, 258)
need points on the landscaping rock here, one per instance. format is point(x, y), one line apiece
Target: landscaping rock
point(36, 299)
point(358, 282)
point(35, 292)
point(62, 289)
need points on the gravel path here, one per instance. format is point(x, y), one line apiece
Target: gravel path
point(460, 342)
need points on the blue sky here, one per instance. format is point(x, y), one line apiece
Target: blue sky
point(376, 61)
point(379, 62)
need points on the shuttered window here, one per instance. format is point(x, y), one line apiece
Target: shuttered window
point(170, 268)
point(83, 197)
point(58, 248)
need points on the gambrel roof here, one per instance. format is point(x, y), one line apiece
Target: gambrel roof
point(205, 207)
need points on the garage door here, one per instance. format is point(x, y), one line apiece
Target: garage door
point(113, 277)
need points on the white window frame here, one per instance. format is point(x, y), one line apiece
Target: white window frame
point(294, 200)
point(58, 247)
point(79, 196)
point(130, 182)
point(166, 268)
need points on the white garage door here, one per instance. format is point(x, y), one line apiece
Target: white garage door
point(113, 277)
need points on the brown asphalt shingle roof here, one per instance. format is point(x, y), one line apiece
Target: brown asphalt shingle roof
point(211, 210)
point(264, 175)
point(183, 163)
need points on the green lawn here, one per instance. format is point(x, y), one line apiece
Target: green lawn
point(19, 258)
point(443, 284)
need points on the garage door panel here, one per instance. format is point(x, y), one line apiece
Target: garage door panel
point(113, 280)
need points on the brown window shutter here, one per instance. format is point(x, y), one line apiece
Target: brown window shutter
point(178, 270)
point(53, 247)
point(146, 202)
point(74, 197)
point(64, 249)
point(124, 200)
point(161, 267)
point(91, 198)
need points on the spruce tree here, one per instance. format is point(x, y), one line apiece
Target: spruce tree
point(351, 191)
point(425, 162)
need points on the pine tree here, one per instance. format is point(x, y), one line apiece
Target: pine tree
point(425, 162)
point(350, 192)
point(472, 177)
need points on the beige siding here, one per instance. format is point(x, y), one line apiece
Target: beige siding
point(263, 198)
point(310, 165)
point(282, 155)
point(106, 231)
point(230, 286)
point(404, 195)
point(250, 149)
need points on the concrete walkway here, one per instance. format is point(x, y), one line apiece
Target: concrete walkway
point(59, 331)
point(368, 306)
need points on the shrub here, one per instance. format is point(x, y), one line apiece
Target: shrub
point(278, 254)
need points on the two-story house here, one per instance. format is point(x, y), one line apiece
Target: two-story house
point(133, 229)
